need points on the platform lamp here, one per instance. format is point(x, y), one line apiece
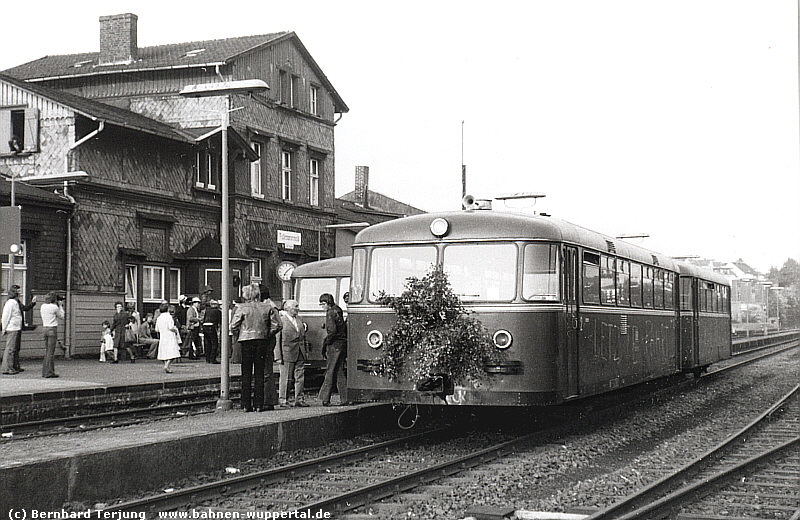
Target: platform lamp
point(225, 88)
point(778, 303)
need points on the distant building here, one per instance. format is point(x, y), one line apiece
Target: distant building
point(362, 207)
point(147, 214)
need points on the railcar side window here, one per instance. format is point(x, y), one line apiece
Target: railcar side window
point(482, 272)
point(390, 267)
point(309, 289)
point(686, 294)
point(357, 280)
point(636, 285)
point(669, 290)
point(591, 278)
point(540, 276)
point(647, 284)
point(608, 293)
point(344, 286)
point(623, 282)
point(726, 295)
point(658, 289)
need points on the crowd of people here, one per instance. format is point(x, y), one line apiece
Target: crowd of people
point(260, 330)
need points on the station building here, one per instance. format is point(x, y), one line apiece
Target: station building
point(134, 168)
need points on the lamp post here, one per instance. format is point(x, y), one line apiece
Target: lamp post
point(778, 303)
point(224, 88)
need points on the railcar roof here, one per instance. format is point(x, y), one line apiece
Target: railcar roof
point(687, 269)
point(338, 266)
point(482, 224)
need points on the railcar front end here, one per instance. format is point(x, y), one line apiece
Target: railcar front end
point(310, 280)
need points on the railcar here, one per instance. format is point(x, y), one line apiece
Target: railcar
point(578, 313)
point(310, 280)
point(705, 318)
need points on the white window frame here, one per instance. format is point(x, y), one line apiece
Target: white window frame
point(207, 182)
point(313, 182)
point(19, 268)
point(256, 175)
point(286, 175)
point(152, 297)
point(313, 95)
point(256, 270)
point(131, 277)
point(27, 131)
point(237, 292)
point(175, 292)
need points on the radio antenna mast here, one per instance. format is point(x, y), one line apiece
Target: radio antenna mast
point(463, 168)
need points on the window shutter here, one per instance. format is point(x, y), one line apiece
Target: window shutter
point(5, 131)
point(31, 130)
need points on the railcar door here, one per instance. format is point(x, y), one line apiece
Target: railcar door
point(573, 320)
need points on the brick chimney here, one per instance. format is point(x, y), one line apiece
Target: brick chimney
point(118, 42)
point(362, 185)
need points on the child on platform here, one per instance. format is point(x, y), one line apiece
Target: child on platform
point(107, 344)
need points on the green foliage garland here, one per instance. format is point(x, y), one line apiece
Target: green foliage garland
point(434, 334)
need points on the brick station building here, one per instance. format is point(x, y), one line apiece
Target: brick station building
point(142, 163)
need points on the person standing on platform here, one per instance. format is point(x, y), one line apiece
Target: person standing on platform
point(291, 353)
point(107, 343)
point(118, 325)
point(334, 349)
point(251, 326)
point(51, 311)
point(192, 342)
point(168, 349)
point(211, 323)
point(270, 393)
point(12, 330)
point(180, 315)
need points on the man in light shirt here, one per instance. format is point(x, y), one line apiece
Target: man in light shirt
point(52, 311)
point(12, 330)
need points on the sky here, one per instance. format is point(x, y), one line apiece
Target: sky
point(676, 119)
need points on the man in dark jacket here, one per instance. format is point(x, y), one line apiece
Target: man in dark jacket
point(335, 346)
point(211, 322)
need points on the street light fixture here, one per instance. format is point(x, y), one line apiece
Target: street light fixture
point(224, 88)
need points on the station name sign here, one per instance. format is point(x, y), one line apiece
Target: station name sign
point(289, 239)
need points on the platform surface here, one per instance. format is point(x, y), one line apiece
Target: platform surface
point(77, 374)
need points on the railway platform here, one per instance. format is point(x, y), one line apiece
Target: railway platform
point(94, 466)
point(89, 383)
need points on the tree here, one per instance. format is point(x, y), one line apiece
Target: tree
point(434, 335)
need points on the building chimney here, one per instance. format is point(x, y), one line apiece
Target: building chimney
point(118, 43)
point(362, 185)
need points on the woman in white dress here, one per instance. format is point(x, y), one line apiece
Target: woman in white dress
point(168, 348)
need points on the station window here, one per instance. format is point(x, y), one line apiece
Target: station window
point(608, 293)
point(591, 278)
point(636, 285)
point(207, 168)
point(647, 287)
point(623, 282)
point(19, 130)
point(669, 290)
point(540, 277)
point(686, 294)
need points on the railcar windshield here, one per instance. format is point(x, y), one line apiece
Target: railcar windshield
point(540, 277)
point(391, 266)
point(482, 272)
point(309, 289)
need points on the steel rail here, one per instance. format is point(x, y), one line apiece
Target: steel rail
point(680, 495)
point(367, 494)
point(620, 509)
point(179, 498)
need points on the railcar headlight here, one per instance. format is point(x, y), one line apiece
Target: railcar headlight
point(440, 227)
point(502, 339)
point(375, 339)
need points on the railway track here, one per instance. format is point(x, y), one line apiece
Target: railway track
point(358, 479)
point(753, 472)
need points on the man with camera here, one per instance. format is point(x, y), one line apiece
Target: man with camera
point(52, 311)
